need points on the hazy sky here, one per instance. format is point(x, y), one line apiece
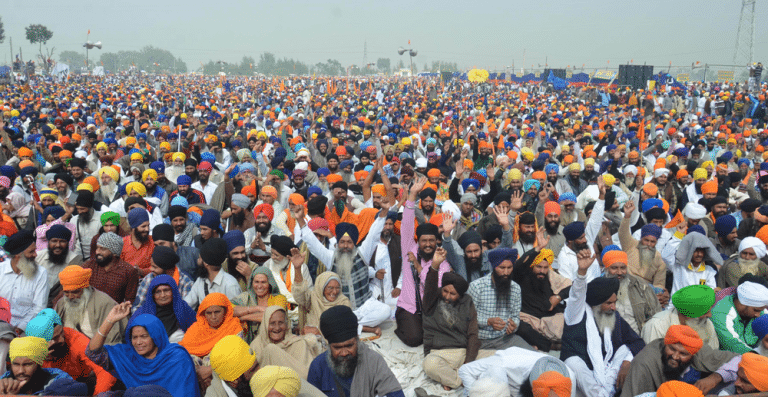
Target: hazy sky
point(486, 34)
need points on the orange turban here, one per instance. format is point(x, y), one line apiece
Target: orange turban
point(270, 190)
point(681, 174)
point(91, 180)
point(762, 234)
point(25, 152)
point(755, 369)
point(551, 381)
point(379, 189)
point(633, 155)
point(614, 256)
point(551, 207)
point(436, 220)
point(539, 175)
point(676, 388)
point(360, 174)
point(267, 209)
point(469, 164)
point(709, 187)
point(248, 189)
point(333, 178)
point(651, 189)
point(296, 199)
point(74, 277)
point(685, 336)
point(433, 173)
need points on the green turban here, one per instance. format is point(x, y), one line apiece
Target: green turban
point(694, 301)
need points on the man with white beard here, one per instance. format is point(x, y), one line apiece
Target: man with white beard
point(644, 259)
point(692, 306)
point(22, 283)
point(636, 302)
point(351, 263)
point(569, 213)
point(284, 274)
point(597, 343)
point(57, 256)
point(108, 178)
point(749, 260)
point(83, 307)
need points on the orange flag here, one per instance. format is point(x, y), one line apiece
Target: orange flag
point(678, 219)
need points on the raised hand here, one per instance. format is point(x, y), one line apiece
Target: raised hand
point(418, 186)
point(585, 260)
point(542, 238)
point(516, 202)
point(297, 258)
point(439, 257)
point(502, 215)
point(119, 312)
point(629, 207)
point(601, 186)
point(460, 169)
point(448, 224)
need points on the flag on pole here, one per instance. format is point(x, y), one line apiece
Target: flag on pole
point(409, 42)
point(89, 31)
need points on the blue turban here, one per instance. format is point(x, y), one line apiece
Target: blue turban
point(366, 144)
point(246, 167)
point(55, 210)
point(346, 163)
point(568, 196)
point(531, 182)
point(234, 172)
point(727, 156)
point(743, 161)
point(172, 136)
point(141, 135)
point(345, 228)
point(509, 145)
point(208, 156)
point(499, 255)
point(696, 229)
point(137, 216)
point(760, 326)
point(763, 166)
point(431, 141)
point(298, 147)
point(650, 229)
point(134, 150)
point(551, 167)
point(610, 147)
point(276, 161)
point(323, 172)
point(234, 239)
point(465, 184)
point(8, 171)
point(573, 231)
point(652, 203)
point(681, 152)
point(483, 172)
point(609, 248)
point(314, 190)
point(40, 327)
point(552, 142)
point(212, 219)
point(724, 225)
point(392, 135)
point(183, 180)
point(158, 166)
point(281, 152)
point(236, 143)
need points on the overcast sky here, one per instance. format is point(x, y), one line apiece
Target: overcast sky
point(481, 33)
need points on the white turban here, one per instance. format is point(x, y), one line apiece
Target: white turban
point(755, 243)
point(301, 165)
point(630, 169)
point(661, 171)
point(694, 211)
point(421, 163)
point(752, 294)
point(450, 207)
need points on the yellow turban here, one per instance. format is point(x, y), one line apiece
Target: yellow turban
point(609, 180)
point(574, 167)
point(137, 156)
point(149, 173)
point(589, 161)
point(380, 189)
point(179, 156)
point(231, 357)
point(515, 174)
point(101, 145)
point(31, 347)
point(138, 187)
point(283, 379)
point(707, 164)
point(130, 141)
point(261, 135)
point(699, 174)
point(85, 186)
point(406, 141)
point(165, 145)
point(111, 172)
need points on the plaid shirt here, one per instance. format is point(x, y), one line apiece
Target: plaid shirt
point(484, 295)
point(185, 285)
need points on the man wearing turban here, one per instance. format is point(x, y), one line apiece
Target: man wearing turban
point(24, 284)
point(28, 376)
point(184, 189)
point(643, 258)
point(752, 250)
point(83, 307)
point(110, 274)
point(598, 344)
point(669, 358)
point(690, 266)
point(734, 314)
point(57, 256)
point(691, 307)
point(86, 223)
point(155, 193)
point(636, 301)
point(204, 184)
point(258, 238)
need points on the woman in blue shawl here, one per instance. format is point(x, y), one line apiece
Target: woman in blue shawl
point(168, 306)
point(146, 357)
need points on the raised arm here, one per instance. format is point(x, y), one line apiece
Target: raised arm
point(625, 236)
point(576, 304)
point(595, 221)
point(325, 255)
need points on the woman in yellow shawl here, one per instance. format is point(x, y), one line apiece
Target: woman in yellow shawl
point(251, 305)
point(276, 345)
point(325, 294)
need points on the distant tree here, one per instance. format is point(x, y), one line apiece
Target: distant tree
point(400, 65)
point(72, 58)
point(150, 59)
point(2, 31)
point(39, 34)
point(383, 64)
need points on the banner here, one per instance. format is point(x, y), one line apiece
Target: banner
point(604, 74)
point(683, 77)
point(724, 75)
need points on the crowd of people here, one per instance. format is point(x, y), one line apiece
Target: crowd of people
point(190, 236)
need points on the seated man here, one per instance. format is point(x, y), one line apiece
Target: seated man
point(57, 256)
point(83, 307)
point(644, 258)
point(163, 261)
point(521, 370)
point(681, 355)
point(23, 283)
point(27, 375)
point(733, 316)
point(110, 274)
point(541, 313)
point(743, 374)
point(450, 327)
point(690, 266)
point(497, 299)
point(636, 302)
point(691, 307)
point(212, 278)
point(349, 364)
point(162, 235)
point(751, 252)
point(66, 351)
point(598, 344)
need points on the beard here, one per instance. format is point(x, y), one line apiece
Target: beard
point(238, 218)
point(503, 285)
point(28, 267)
point(605, 321)
point(60, 258)
point(343, 263)
point(263, 228)
point(105, 260)
point(552, 227)
point(749, 265)
point(528, 237)
point(203, 179)
point(647, 255)
point(201, 272)
point(386, 234)
point(473, 264)
point(343, 367)
point(700, 325)
point(580, 247)
point(764, 194)
point(108, 190)
point(141, 236)
point(58, 350)
point(85, 216)
point(425, 256)
point(74, 309)
point(669, 371)
point(449, 311)
point(568, 217)
point(540, 283)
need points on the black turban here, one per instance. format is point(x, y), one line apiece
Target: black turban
point(338, 324)
point(503, 197)
point(176, 211)
point(214, 252)
point(428, 192)
point(163, 232)
point(457, 281)
point(282, 244)
point(526, 218)
point(600, 290)
point(84, 199)
point(492, 233)
point(470, 237)
point(164, 257)
point(78, 162)
point(655, 213)
point(340, 185)
point(423, 230)
point(316, 206)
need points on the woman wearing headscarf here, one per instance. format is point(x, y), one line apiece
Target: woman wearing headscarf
point(147, 357)
point(52, 216)
point(275, 345)
point(325, 294)
point(251, 305)
point(168, 306)
point(215, 320)
point(17, 207)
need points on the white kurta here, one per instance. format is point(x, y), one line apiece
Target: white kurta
point(26, 297)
